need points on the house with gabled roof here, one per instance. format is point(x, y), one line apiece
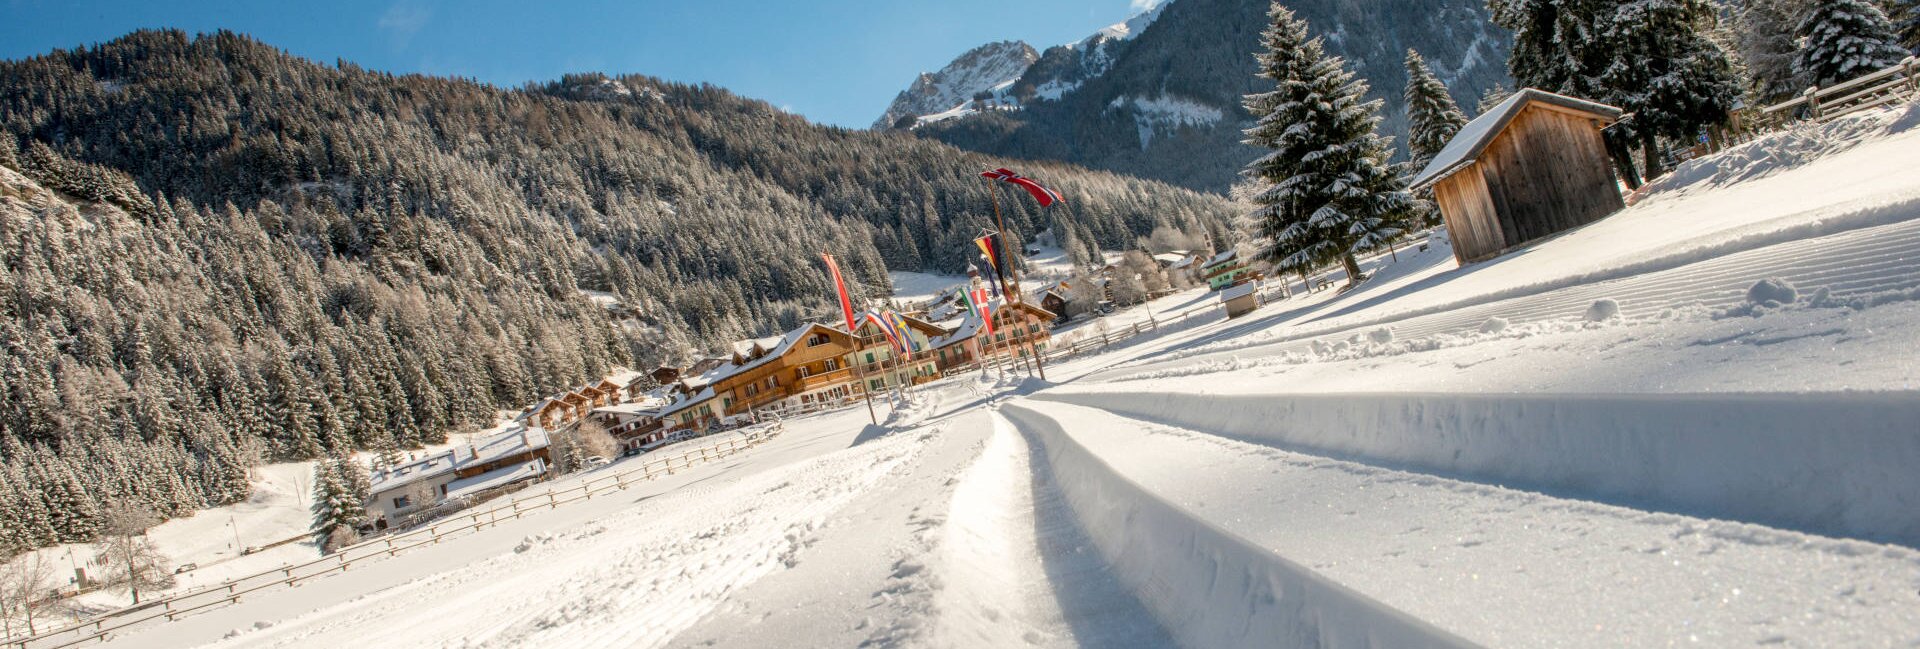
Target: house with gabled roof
point(1533, 166)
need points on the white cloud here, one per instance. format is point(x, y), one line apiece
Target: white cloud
point(403, 19)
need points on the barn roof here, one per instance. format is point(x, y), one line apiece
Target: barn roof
point(1465, 147)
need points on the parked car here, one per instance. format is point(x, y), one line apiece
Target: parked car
point(596, 461)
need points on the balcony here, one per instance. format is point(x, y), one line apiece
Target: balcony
point(824, 379)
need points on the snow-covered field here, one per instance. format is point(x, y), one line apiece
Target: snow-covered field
point(1691, 423)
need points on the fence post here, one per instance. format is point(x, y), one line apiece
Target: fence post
point(1912, 64)
point(1813, 101)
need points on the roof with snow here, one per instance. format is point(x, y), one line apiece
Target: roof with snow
point(1465, 147)
point(1225, 256)
point(496, 478)
point(513, 441)
point(1237, 291)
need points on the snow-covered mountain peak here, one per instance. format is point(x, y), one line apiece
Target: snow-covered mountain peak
point(980, 69)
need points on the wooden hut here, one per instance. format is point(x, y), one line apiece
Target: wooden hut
point(1533, 166)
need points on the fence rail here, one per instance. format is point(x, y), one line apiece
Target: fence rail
point(213, 596)
point(1901, 81)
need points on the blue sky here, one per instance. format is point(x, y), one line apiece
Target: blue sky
point(835, 61)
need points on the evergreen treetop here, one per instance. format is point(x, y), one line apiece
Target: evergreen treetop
point(1845, 39)
point(1432, 116)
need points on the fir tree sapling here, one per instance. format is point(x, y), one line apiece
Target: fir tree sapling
point(1845, 39)
point(1329, 193)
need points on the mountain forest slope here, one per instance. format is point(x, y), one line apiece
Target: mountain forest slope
point(217, 253)
point(1167, 106)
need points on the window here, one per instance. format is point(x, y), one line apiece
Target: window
point(726, 402)
point(803, 372)
point(402, 502)
point(816, 340)
point(869, 357)
point(832, 364)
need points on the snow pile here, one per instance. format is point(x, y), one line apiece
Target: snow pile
point(1602, 310)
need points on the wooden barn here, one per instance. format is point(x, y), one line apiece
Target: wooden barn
point(1533, 166)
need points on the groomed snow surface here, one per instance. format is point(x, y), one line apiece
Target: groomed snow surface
point(1695, 422)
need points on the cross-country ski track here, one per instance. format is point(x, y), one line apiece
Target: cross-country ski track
point(1440, 457)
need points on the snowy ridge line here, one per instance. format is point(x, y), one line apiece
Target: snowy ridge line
point(1902, 211)
point(1209, 587)
point(1838, 464)
point(229, 592)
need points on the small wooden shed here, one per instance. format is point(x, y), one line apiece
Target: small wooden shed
point(1533, 166)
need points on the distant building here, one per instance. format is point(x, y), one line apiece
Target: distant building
point(1532, 166)
point(1224, 270)
point(474, 469)
point(1241, 299)
point(1019, 329)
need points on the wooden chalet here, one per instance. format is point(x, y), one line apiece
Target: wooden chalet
point(802, 367)
point(1533, 166)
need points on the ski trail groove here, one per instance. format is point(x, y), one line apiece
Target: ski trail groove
point(1206, 586)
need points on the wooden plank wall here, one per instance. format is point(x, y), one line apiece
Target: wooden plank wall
point(1468, 212)
point(1548, 172)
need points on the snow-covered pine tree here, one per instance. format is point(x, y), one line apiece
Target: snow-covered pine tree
point(1763, 33)
point(1329, 192)
point(1667, 72)
point(1432, 116)
point(1845, 39)
point(337, 503)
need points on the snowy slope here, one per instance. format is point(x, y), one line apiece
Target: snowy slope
point(1443, 456)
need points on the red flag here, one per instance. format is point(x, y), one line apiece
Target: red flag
point(1047, 197)
point(840, 286)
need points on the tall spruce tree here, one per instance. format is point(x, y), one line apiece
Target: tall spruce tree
point(1329, 192)
point(1432, 116)
point(338, 497)
point(1845, 39)
point(1666, 72)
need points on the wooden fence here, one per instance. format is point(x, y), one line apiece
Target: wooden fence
point(206, 598)
point(1900, 82)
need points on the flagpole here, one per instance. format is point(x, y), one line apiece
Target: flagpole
point(860, 376)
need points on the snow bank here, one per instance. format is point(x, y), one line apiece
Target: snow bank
point(1836, 464)
point(1208, 587)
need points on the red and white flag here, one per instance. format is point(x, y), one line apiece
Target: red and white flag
point(1040, 192)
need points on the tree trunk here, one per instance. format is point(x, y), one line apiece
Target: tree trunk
point(1622, 156)
point(1650, 145)
point(1353, 268)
